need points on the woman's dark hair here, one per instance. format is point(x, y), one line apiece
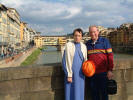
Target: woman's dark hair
point(78, 30)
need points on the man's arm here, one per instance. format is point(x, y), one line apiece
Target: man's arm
point(110, 59)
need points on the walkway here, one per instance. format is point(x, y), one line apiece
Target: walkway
point(16, 62)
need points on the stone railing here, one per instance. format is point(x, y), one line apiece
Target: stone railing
point(46, 82)
point(32, 83)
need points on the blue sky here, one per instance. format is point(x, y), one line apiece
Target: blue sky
point(59, 17)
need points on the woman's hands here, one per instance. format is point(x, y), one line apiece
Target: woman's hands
point(69, 79)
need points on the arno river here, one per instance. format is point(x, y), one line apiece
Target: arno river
point(51, 55)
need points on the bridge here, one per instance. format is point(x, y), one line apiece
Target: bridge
point(58, 41)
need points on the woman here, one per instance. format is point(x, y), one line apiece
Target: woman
point(75, 54)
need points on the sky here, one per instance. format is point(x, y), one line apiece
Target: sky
point(60, 17)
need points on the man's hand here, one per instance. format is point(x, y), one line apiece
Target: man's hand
point(110, 75)
point(69, 79)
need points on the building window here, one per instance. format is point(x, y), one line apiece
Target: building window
point(4, 20)
point(0, 14)
point(8, 27)
point(4, 12)
point(6, 39)
point(4, 29)
point(0, 27)
point(0, 38)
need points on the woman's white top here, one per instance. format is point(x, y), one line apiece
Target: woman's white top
point(69, 52)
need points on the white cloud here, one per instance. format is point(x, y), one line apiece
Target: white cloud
point(63, 16)
point(95, 13)
point(72, 25)
point(73, 11)
point(128, 1)
point(15, 3)
point(86, 29)
point(58, 29)
point(48, 30)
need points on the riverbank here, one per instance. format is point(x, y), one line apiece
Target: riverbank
point(16, 60)
point(33, 57)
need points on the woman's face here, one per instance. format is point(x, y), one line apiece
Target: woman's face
point(77, 36)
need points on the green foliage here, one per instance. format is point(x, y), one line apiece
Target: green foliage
point(30, 59)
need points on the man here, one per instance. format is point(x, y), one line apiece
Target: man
point(100, 52)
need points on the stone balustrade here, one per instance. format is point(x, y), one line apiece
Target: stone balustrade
point(46, 82)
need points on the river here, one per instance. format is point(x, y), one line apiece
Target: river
point(51, 55)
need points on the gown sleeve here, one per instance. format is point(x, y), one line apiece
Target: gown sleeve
point(64, 64)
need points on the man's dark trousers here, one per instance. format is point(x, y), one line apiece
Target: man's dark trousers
point(98, 85)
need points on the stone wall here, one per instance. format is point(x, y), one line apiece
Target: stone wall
point(45, 82)
point(31, 83)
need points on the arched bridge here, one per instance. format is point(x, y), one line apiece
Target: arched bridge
point(50, 40)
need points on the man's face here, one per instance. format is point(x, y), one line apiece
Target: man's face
point(94, 33)
point(77, 36)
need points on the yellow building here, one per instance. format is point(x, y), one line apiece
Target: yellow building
point(22, 27)
point(62, 40)
point(38, 41)
point(14, 28)
point(3, 29)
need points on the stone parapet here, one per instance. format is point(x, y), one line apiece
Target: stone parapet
point(46, 82)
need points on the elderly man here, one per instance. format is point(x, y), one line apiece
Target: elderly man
point(100, 52)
